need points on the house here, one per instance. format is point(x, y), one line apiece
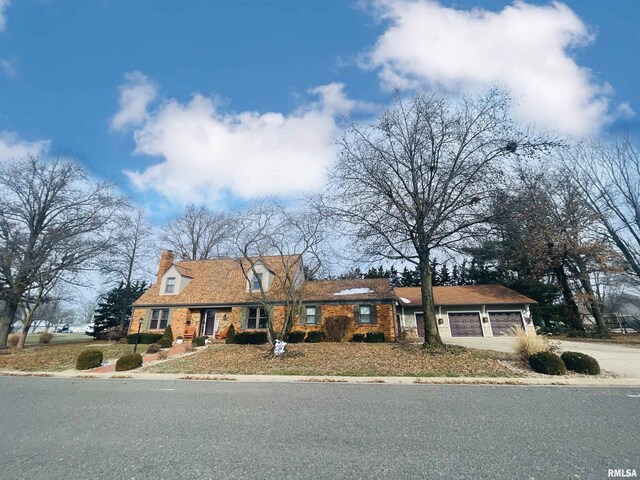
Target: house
point(467, 311)
point(210, 295)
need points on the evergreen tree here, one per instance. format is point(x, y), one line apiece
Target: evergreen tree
point(445, 277)
point(115, 308)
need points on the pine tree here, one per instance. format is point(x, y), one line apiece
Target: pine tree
point(445, 277)
point(115, 308)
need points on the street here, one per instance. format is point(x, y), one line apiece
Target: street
point(126, 429)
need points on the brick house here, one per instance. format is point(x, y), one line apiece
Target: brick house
point(212, 294)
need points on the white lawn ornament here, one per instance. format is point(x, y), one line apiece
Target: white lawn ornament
point(278, 349)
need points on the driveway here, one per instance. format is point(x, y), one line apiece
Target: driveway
point(618, 359)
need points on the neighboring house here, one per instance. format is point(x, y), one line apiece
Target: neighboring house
point(467, 311)
point(212, 294)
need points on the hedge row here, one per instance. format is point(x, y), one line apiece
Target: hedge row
point(145, 338)
point(551, 364)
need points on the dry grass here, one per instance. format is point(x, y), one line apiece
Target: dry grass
point(527, 345)
point(13, 340)
point(57, 357)
point(338, 359)
point(630, 339)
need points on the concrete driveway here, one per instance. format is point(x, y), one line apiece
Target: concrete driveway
point(618, 359)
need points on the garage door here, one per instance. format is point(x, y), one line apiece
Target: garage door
point(501, 322)
point(465, 325)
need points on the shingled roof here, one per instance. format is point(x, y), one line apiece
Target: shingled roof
point(216, 281)
point(463, 295)
point(348, 289)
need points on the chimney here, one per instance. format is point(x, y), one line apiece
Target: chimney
point(166, 260)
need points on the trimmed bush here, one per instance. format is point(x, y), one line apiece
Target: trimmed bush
point(581, 363)
point(251, 338)
point(296, 337)
point(89, 359)
point(168, 333)
point(45, 337)
point(314, 336)
point(129, 362)
point(335, 328)
point(358, 337)
point(231, 334)
point(153, 348)
point(198, 342)
point(165, 342)
point(547, 363)
point(374, 337)
point(145, 338)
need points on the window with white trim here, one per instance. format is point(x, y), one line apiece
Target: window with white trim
point(159, 319)
point(365, 313)
point(310, 314)
point(256, 318)
point(257, 281)
point(171, 283)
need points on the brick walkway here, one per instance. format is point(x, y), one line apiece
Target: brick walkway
point(173, 351)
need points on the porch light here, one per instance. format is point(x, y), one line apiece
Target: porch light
point(440, 321)
point(485, 319)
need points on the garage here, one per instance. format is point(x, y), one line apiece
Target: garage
point(465, 324)
point(501, 322)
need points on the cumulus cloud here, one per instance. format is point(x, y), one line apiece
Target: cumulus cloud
point(3, 16)
point(135, 96)
point(206, 154)
point(523, 48)
point(12, 147)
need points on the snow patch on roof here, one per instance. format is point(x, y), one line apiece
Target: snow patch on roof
point(354, 291)
point(405, 300)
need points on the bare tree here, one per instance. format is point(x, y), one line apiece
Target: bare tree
point(53, 221)
point(286, 243)
point(199, 234)
point(420, 178)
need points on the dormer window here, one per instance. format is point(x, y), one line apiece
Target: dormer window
point(257, 281)
point(171, 284)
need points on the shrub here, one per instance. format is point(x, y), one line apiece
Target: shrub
point(45, 337)
point(335, 328)
point(358, 337)
point(165, 342)
point(13, 340)
point(153, 348)
point(123, 340)
point(526, 345)
point(198, 341)
point(581, 363)
point(374, 337)
point(129, 362)
point(253, 338)
point(315, 336)
point(168, 333)
point(296, 337)
point(548, 363)
point(89, 359)
point(145, 338)
point(231, 334)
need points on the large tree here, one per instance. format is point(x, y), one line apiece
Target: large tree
point(115, 305)
point(419, 179)
point(53, 221)
point(199, 233)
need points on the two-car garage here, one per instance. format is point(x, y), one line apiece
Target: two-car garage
point(468, 324)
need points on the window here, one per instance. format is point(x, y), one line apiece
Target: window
point(171, 283)
point(159, 319)
point(311, 315)
point(365, 314)
point(257, 318)
point(257, 281)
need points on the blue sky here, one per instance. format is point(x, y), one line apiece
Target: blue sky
point(67, 68)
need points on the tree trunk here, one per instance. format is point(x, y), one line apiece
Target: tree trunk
point(573, 313)
point(601, 326)
point(6, 320)
point(431, 334)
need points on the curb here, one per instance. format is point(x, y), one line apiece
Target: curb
point(516, 381)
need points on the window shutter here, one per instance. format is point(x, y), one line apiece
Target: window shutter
point(374, 314)
point(318, 315)
point(243, 318)
point(147, 319)
point(356, 314)
point(303, 314)
point(170, 316)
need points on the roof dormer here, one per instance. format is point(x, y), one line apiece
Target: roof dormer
point(174, 280)
point(259, 276)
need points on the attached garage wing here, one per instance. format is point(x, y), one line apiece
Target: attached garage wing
point(465, 324)
point(501, 322)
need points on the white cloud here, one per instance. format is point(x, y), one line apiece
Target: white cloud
point(207, 154)
point(12, 147)
point(625, 111)
point(135, 96)
point(3, 17)
point(7, 68)
point(523, 48)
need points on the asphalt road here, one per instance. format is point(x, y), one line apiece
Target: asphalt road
point(125, 429)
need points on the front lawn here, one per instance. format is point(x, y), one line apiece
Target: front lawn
point(630, 339)
point(344, 359)
point(56, 357)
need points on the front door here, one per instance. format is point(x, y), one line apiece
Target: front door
point(210, 323)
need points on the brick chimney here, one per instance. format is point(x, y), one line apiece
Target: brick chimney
point(166, 260)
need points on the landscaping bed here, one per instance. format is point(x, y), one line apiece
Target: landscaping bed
point(344, 359)
point(58, 357)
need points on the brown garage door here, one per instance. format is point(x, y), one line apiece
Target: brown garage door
point(465, 325)
point(501, 322)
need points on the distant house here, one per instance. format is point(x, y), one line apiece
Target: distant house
point(212, 294)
